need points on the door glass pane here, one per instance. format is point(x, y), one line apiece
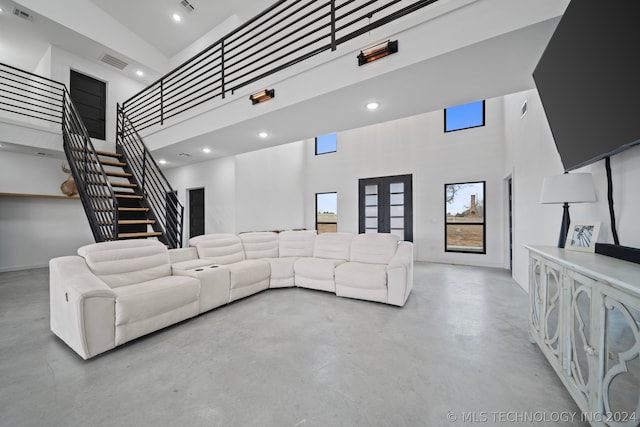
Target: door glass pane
point(371, 211)
point(371, 223)
point(397, 210)
point(397, 187)
point(396, 199)
point(371, 200)
point(371, 189)
point(397, 222)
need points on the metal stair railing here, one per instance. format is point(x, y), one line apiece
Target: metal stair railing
point(25, 94)
point(285, 34)
point(96, 193)
point(158, 195)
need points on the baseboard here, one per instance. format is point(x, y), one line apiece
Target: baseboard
point(625, 253)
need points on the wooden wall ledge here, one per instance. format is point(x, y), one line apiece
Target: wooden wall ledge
point(42, 196)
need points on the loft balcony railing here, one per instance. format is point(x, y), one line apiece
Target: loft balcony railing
point(285, 34)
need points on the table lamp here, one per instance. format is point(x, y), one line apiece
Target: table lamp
point(567, 188)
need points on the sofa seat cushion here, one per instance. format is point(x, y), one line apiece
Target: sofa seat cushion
point(362, 275)
point(148, 306)
point(281, 272)
point(248, 277)
point(316, 273)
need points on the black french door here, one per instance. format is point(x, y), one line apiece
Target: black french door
point(385, 206)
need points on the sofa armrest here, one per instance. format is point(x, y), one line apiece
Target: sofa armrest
point(82, 307)
point(400, 274)
point(182, 254)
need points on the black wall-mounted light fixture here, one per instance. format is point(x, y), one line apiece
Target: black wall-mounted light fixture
point(263, 95)
point(378, 51)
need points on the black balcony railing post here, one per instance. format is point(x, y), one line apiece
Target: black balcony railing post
point(161, 102)
point(333, 25)
point(222, 69)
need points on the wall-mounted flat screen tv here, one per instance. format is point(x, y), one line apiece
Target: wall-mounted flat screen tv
point(588, 79)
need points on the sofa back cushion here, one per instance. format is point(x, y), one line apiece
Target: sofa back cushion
point(219, 248)
point(374, 248)
point(260, 244)
point(297, 243)
point(333, 246)
point(125, 262)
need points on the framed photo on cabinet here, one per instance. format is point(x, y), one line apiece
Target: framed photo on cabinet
point(582, 236)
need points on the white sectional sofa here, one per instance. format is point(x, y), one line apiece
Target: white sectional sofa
point(114, 292)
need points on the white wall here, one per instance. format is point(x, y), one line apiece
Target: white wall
point(270, 188)
point(218, 179)
point(275, 188)
point(417, 145)
point(119, 87)
point(531, 155)
point(34, 230)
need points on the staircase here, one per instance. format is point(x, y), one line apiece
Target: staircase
point(133, 218)
point(124, 193)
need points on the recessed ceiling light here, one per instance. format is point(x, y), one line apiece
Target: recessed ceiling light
point(263, 134)
point(373, 106)
point(206, 150)
point(162, 161)
point(140, 73)
point(176, 17)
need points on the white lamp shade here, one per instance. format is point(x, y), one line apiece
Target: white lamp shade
point(568, 188)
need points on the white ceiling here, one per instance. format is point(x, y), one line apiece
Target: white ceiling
point(152, 19)
point(494, 67)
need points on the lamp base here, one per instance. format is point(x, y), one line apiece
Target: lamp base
point(564, 227)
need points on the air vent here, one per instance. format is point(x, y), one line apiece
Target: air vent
point(22, 14)
point(187, 6)
point(114, 62)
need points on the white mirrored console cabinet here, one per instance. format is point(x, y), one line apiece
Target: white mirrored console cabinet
point(584, 314)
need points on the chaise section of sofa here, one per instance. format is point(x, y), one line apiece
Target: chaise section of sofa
point(114, 292)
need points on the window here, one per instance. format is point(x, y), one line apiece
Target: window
point(326, 212)
point(464, 116)
point(465, 217)
point(326, 144)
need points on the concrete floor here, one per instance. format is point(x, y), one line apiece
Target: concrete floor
point(456, 354)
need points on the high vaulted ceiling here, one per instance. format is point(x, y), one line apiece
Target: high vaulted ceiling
point(151, 19)
point(485, 48)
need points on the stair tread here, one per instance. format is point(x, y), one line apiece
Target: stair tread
point(124, 209)
point(136, 221)
point(98, 152)
point(116, 173)
point(141, 234)
point(129, 196)
point(112, 163)
point(114, 184)
point(108, 153)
